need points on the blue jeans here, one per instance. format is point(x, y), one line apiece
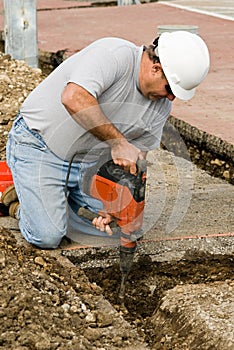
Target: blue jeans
point(40, 178)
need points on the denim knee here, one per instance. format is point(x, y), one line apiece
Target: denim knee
point(51, 241)
point(43, 237)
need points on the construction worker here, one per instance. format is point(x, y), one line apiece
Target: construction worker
point(113, 98)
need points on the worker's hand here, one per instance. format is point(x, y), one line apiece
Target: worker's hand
point(126, 155)
point(102, 223)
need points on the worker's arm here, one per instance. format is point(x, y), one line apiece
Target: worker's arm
point(85, 110)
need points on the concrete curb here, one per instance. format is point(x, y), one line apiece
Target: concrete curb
point(207, 151)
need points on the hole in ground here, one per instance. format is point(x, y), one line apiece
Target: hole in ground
point(148, 281)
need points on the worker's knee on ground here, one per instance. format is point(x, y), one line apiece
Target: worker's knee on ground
point(50, 241)
point(45, 238)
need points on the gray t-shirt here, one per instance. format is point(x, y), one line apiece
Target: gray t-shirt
point(108, 69)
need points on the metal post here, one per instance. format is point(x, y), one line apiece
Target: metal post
point(20, 30)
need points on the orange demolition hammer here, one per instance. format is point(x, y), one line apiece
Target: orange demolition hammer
point(123, 197)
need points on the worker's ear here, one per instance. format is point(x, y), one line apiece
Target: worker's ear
point(156, 68)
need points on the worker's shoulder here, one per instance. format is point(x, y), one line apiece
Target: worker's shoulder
point(113, 43)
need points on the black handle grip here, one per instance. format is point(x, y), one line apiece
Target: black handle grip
point(90, 215)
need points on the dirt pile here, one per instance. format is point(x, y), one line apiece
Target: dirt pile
point(46, 305)
point(17, 80)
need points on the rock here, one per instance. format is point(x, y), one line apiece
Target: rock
point(92, 334)
point(66, 307)
point(43, 345)
point(104, 319)
point(226, 174)
point(2, 259)
point(90, 318)
point(37, 71)
point(83, 307)
point(39, 261)
point(4, 78)
point(217, 162)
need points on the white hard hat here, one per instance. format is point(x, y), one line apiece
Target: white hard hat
point(185, 61)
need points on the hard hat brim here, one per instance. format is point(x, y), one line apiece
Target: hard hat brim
point(179, 92)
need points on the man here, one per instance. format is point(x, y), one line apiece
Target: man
point(111, 98)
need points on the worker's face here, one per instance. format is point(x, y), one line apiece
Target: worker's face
point(154, 85)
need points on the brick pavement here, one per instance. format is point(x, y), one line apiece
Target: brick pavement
point(211, 110)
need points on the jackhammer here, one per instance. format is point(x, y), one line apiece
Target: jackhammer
point(123, 197)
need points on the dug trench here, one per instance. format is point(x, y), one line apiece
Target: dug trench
point(147, 286)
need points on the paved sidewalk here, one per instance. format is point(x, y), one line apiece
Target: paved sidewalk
point(211, 110)
point(218, 8)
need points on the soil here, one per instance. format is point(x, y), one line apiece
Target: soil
point(17, 80)
point(48, 303)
